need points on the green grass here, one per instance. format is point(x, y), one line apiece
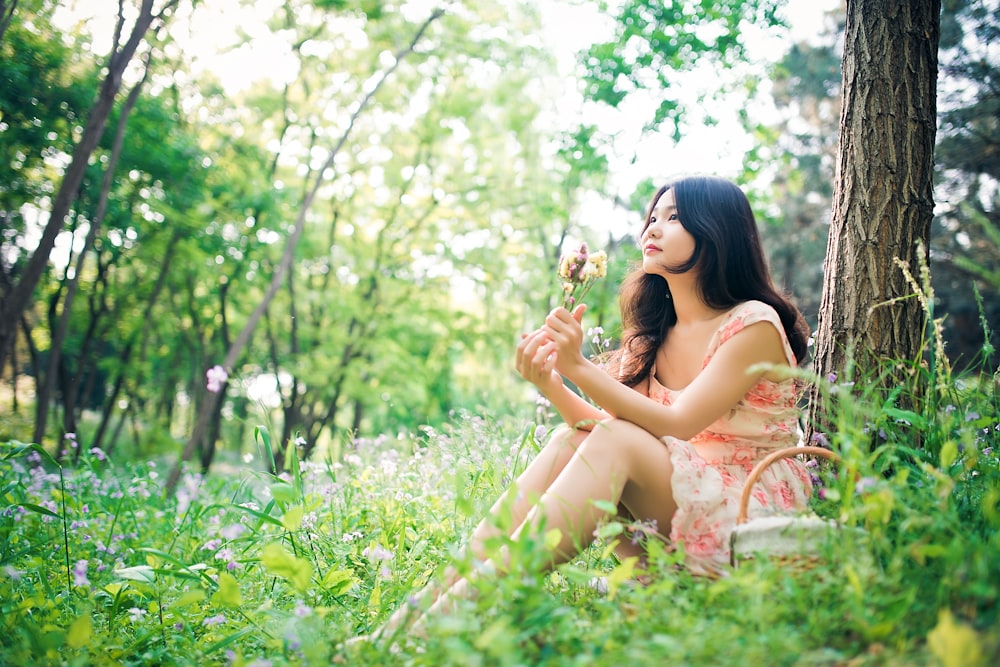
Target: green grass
point(96, 567)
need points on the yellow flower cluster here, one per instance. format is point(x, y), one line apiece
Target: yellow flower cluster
point(579, 270)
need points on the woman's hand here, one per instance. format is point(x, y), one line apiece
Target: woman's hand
point(566, 333)
point(536, 361)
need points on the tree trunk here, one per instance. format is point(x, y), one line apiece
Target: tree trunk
point(883, 200)
point(213, 401)
point(62, 328)
point(121, 55)
point(112, 398)
point(7, 8)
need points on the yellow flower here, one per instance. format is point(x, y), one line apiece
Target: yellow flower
point(579, 270)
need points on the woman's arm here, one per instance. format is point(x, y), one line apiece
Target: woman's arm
point(712, 394)
point(535, 361)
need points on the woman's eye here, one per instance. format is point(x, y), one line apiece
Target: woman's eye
point(673, 217)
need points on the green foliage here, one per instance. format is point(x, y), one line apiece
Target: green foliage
point(285, 567)
point(654, 41)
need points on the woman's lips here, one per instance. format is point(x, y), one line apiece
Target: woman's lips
point(650, 249)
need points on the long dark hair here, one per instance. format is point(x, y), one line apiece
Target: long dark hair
point(731, 269)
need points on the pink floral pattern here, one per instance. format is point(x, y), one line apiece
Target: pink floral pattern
point(710, 469)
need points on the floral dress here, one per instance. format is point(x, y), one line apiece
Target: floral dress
point(710, 469)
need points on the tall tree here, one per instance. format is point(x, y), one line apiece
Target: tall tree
point(20, 295)
point(883, 199)
point(212, 400)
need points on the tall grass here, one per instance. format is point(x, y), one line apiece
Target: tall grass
point(96, 567)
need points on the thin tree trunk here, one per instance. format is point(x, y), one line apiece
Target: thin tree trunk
point(883, 200)
point(7, 8)
point(112, 399)
point(212, 401)
point(121, 55)
point(59, 335)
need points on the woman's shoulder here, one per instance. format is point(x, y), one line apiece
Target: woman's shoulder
point(746, 313)
point(752, 312)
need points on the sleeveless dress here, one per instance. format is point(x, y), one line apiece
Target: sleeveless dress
point(710, 469)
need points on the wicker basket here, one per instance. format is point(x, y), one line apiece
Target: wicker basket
point(796, 541)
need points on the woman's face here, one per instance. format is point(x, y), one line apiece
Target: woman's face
point(665, 243)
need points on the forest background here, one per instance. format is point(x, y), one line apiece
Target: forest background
point(358, 226)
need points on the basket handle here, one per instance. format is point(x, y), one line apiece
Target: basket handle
point(762, 465)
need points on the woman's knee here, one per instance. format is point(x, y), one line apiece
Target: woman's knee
point(564, 435)
point(626, 440)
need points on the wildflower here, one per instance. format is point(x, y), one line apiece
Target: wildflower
point(13, 573)
point(211, 621)
point(864, 484)
point(302, 609)
point(820, 439)
point(832, 377)
point(211, 545)
point(971, 416)
point(232, 531)
point(377, 553)
point(71, 440)
point(579, 270)
point(80, 573)
point(540, 432)
point(98, 453)
point(217, 376)
point(136, 614)
point(225, 554)
point(300, 441)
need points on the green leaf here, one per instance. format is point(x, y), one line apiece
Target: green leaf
point(226, 641)
point(40, 509)
point(263, 516)
point(295, 570)
point(552, 539)
point(283, 493)
point(79, 631)
point(338, 581)
point(142, 573)
point(228, 595)
point(293, 518)
point(21, 448)
point(605, 506)
point(949, 454)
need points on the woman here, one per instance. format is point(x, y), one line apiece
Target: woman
point(699, 393)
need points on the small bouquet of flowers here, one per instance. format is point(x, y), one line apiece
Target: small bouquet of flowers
point(579, 270)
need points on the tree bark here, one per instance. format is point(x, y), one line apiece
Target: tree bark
point(213, 401)
point(20, 296)
point(883, 199)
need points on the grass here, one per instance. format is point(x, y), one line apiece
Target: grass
point(96, 567)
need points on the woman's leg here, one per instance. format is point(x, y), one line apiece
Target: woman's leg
point(522, 495)
point(618, 462)
point(516, 501)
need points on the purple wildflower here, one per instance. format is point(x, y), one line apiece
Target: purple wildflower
point(216, 376)
point(80, 573)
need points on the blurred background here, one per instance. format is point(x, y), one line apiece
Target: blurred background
point(362, 204)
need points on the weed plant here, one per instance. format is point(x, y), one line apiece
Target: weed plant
point(281, 567)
